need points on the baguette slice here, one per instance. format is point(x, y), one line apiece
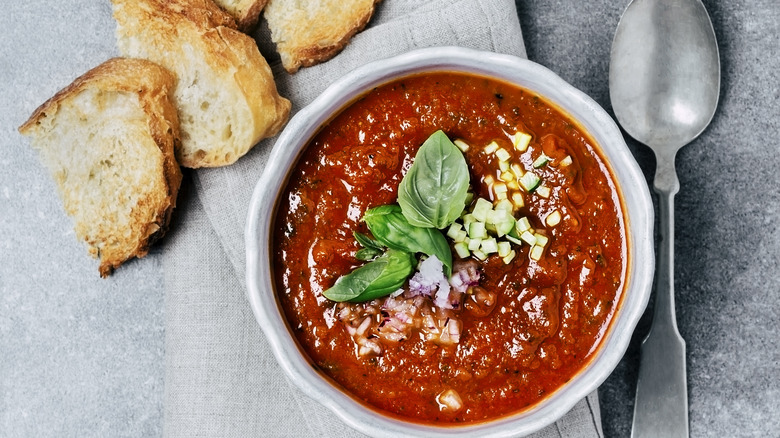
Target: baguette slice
point(225, 92)
point(245, 12)
point(108, 140)
point(309, 32)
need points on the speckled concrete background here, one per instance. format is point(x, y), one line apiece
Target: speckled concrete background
point(81, 356)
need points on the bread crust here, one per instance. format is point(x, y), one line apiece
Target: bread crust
point(304, 44)
point(163, 28)
point(153, 85)
point(246, 13)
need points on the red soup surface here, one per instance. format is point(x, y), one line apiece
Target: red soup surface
point(522, 326)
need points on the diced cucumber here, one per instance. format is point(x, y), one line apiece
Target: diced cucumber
point(553, 218)
point(503, 155)
point(541, 161)
point(504, 206)
point(477, 230)
point(474, 244)
point(507, 176)
point(530, 181)
point(541, 239)
point(528, 238)
point(517, 170)
point(489, 246)
point(481, 209)
point(453, 230)
point(460, 236)
point(467, 219)
point(480, 255)
point(462, 145)
point(504, 248)
point(521, 140)
point(536, 252)
point(566, 161)
point(543, 191)
point(503, 165)
point(503, 228)
point(518, 200)
point(491, 148)
point(523, 224)
point(509, 257)
point(514, 240)
point(462, 250)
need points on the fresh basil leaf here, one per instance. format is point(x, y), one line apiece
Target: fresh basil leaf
point(400, 265)
point(375, 279)
point(367, 242)
point(356, 282)
point(367, 254)
point(432, 194)
point(390, 227)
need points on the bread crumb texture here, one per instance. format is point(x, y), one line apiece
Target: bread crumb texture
point(225, 93)
point(108, 140)
point(307, 32)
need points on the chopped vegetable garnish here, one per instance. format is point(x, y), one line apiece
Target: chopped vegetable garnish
point(543, 191)
point(541, 161)
point(528, 238)
point(566, 161)
point(503, 155)
point(509, 257)
point(517, 199)
point(462, 250)
point(462, 145)
point(477, 230)
point(489, 246)
point(530, 181)
point(553, 218)
point(481, 209)
point(536, 252)
point(504, 248)
point(523, 224)
point(491, 148)
point(541, 239)
point(521, 140)
point(517, 170)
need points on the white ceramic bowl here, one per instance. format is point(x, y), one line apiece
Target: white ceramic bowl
point(301, 128)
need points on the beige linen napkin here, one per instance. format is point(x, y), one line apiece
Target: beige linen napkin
point(221, 379)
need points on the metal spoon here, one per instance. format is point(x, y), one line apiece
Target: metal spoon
point(664, 80)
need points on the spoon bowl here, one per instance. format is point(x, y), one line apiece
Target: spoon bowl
point(664, 82)
point(664, 76)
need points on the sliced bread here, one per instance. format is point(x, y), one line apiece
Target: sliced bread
point(108, 140)
point(307, 32)
point(246, 12)
point(225, 93)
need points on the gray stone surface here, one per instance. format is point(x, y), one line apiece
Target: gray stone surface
point(81, 356)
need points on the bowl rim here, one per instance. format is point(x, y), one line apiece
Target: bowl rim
point(638, 223)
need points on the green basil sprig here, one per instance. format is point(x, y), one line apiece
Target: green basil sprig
point(390, 227)
point(432, 194)
point(381, 277)
point(371, 248)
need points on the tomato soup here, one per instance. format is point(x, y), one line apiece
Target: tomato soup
point(525, 309)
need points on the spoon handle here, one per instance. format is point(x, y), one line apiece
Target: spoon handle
point(661, 408)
